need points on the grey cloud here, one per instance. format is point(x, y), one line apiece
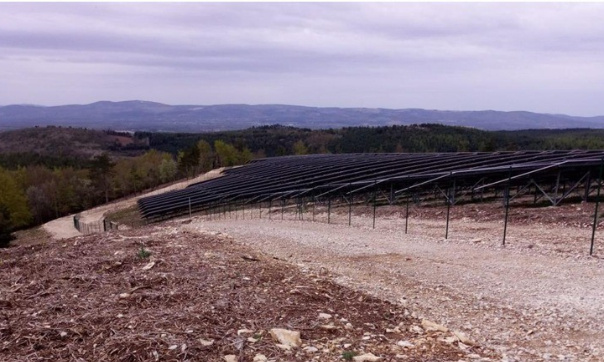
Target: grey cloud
point(447, 54)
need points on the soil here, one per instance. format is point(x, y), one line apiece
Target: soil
point(536, 298)
point(162, 293)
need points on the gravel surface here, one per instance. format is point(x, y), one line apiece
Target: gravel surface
point(537, 298)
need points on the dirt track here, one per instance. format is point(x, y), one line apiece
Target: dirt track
point(63, 228)
point(531, 300)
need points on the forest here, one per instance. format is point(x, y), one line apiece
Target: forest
point(50, 172)
point(276, 140)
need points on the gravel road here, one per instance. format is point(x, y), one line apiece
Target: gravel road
point(532, 300)
point(63, 228)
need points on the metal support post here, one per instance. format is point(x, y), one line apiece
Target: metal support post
point(506, 200)
point(587, 185)
point(407, 216)
point(595, 225)
point(450, 200)
point(374, 200)
point(448, 211)
point(350, 211)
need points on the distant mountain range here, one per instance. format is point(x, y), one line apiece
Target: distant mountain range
point(150, 116)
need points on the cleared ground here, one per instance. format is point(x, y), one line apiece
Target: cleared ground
point(161, 293)
point(538, 298)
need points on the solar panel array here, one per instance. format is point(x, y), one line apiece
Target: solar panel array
point(320, 176)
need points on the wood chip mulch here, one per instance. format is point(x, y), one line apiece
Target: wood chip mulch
point(162, 294)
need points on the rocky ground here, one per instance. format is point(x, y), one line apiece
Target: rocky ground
point(165, 293)
point(223, 288)
point(538, 298)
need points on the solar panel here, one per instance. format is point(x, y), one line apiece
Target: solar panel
point(326, 175)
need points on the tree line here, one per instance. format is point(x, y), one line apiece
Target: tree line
point(271, 141)
point(35, 188)
point(32, 194)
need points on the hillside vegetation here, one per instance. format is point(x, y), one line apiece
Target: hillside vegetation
point(50, 172)
point(270, 141)
point(64, 146)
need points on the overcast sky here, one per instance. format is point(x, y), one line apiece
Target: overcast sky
point(449, 56)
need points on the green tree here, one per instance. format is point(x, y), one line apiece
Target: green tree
point(299, 148)
point(226, 154)
point(206, 155)
point(188, 161)
point(13, 205)
point(167, 169)
point(101, 172)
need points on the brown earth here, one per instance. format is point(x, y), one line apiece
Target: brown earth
point(162, 293)
point(536, 299)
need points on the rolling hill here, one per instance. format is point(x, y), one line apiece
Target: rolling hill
point(150, 116)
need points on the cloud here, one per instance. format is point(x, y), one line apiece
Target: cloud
point(438, 55)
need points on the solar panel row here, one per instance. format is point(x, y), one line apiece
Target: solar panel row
point(345, 174)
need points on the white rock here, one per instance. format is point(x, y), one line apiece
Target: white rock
point(260, 358)
point(244, 331)
point(449, 340)
point(173, 347)
point(124, 295)
point(230, 358)
point(329, 326)
point(149, 265)
point(431, 326)
point(283, 347)
point(286, 337)
point(404, 344)
point(463, 338)
point(370, 357)
point(310, 349)
point(205, 342)
point(63, 334)
point(324, 316)
point(416, 329)
point(348, 326)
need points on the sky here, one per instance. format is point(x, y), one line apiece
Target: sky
point(540, 57)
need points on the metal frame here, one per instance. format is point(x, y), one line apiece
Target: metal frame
point(553, 176)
